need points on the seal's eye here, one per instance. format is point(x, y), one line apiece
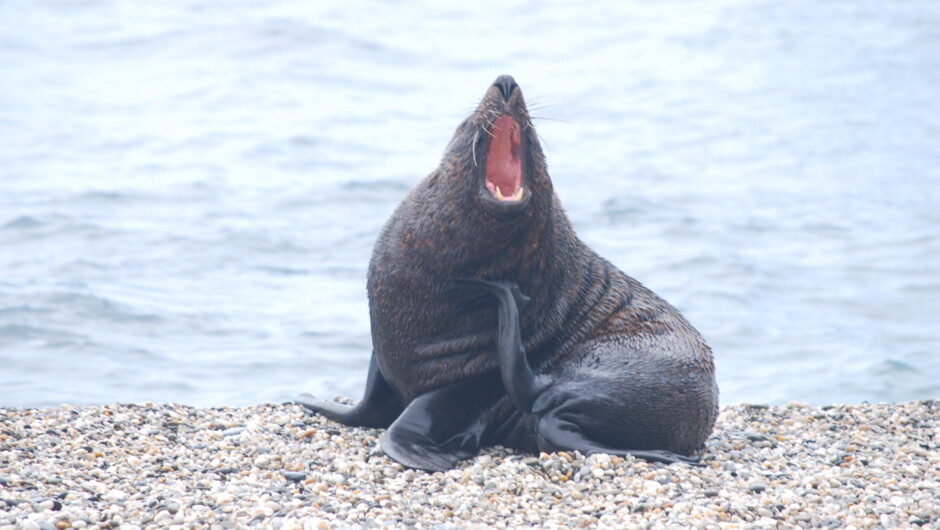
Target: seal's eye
point(503, 165)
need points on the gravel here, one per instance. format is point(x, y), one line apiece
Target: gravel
point(273, 466)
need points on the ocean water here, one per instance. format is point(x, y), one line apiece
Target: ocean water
point(190, 190)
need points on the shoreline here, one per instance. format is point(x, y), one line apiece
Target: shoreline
point(273, 466)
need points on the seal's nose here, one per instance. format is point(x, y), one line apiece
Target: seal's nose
point(505, 84)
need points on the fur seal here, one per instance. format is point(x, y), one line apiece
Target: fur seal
point(492, 323)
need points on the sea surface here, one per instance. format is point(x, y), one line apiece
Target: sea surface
point(190, 190)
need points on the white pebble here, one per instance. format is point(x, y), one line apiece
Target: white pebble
point(224, 498)
point(263, 461)
point(115, 495)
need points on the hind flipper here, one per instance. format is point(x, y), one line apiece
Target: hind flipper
point(521, 383)
point(473, 294)
point(379, 406)
point(557, 431)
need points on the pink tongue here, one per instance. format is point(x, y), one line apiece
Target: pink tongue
point(503, 168)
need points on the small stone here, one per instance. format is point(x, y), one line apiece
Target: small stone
point(263, 461)
point(888, 521)
point(294, 476)
point(234, 431)
point(224, 498)
point(757, 488)
point(115, 495)
point(755, 437)
point(766, 522)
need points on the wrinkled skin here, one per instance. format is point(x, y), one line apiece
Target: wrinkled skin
point(602, 363)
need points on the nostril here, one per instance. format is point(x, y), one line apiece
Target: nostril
point(505, 84)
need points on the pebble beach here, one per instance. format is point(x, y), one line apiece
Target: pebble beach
point(274, 466)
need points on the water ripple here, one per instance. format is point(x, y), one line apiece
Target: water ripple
point(191, 191)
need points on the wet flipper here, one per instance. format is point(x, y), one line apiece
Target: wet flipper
point(557, 428)
point(558, 434)
point(443, 426)
point(379, 407)
point(521, 383)
point(477, 294)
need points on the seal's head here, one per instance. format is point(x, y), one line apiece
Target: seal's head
point(499, 152)
point(483, 212)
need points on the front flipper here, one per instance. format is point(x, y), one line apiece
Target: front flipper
point(443, 426)
point(379, 407)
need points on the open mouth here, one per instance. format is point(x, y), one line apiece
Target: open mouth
point(503, 166)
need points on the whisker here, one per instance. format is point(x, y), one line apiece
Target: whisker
point(491, 124)
point(541, 106)
point(545, 144)
point(552, 119)
point(473, 147)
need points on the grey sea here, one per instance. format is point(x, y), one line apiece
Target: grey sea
point(190, 190)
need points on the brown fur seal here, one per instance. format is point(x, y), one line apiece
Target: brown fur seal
point(576, 354)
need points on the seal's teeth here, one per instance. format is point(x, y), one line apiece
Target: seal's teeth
point(498, 193)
